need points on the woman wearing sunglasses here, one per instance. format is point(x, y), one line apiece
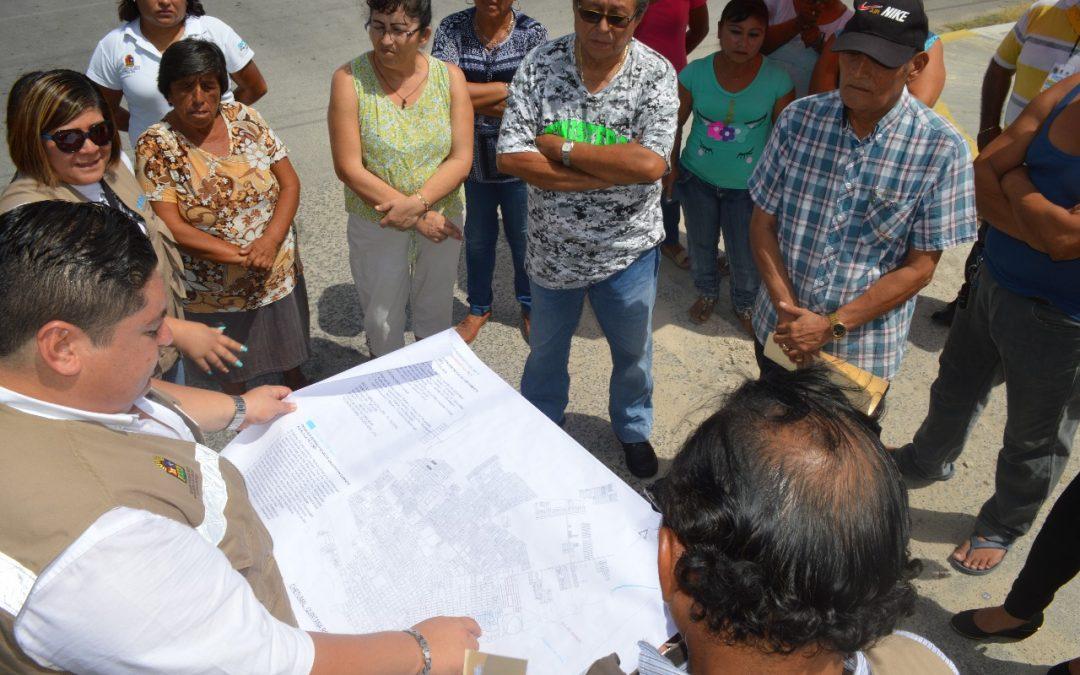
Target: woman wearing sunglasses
point(221, 180)
point(488, 42)
point(401, 134)
point(735, 95)
point(65, 146)
point(126, 61)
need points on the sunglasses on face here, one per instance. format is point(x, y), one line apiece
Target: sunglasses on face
point(72, 140)
point(593, 16)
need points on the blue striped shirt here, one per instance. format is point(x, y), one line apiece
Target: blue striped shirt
point(849, 210)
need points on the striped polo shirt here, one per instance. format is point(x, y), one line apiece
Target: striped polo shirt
point(1047, 34)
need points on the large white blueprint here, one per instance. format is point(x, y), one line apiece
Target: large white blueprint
point(420, 484)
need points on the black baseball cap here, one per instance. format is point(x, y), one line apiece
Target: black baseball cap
point(889, 31)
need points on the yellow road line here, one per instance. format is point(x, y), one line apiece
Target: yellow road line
point(953, 36)
point(942, 109)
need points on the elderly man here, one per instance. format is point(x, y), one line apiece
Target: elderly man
point(589, 125)
point(127, 546)
point(784, 541)
point(857, 194)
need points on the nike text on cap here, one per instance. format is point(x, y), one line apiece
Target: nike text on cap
point(888, 31)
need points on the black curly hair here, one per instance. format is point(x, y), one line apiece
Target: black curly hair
point(129, 11)
point(793, 518)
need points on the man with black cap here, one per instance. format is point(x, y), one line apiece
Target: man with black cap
point(856, 195)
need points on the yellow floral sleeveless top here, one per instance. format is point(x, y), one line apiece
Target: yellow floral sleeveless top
point(403, 147)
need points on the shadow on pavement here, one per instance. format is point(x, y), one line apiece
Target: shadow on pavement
point(339, 311)
point(940, 527)
point(925, 334)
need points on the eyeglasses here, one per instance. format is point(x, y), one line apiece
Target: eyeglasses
point(613, 20)
point(72, 140)
point(398, 35)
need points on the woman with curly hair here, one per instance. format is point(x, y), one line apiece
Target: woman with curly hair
point(221, 180)
point(125, 62)
point(784, 544)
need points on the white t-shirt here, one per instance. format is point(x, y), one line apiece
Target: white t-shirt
point(140, 593)
point(795, 57)
point(126, 61)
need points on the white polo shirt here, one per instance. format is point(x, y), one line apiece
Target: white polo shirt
point(140, 593)
point(126, 61)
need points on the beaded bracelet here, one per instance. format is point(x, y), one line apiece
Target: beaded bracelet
point(425, 202)
point(425, 649)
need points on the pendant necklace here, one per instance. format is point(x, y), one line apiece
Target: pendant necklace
point(385, 81)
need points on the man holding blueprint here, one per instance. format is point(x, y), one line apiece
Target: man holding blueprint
point(126, 545)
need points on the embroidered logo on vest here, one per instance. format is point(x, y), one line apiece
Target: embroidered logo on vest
point(172, 468)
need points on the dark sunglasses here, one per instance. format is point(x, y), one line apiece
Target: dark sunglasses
point(613, 20)
point(72, 140)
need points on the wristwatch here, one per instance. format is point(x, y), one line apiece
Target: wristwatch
point(839, 330)
point(567, 146)
point(238, 416)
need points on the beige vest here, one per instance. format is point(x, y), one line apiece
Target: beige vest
point(59, 476)
point(26, 190)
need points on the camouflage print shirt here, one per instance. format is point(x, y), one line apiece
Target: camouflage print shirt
point(580, 238)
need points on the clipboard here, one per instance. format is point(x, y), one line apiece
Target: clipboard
point(479, 663)
point(864, 389)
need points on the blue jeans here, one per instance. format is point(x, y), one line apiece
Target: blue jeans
point(623, 304)
point(670, 209)
point(483, 202)
point(709, 211)
point(1035, 349)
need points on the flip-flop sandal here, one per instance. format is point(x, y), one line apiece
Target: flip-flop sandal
point(702, 309)
point(679, 257)
point(974, 544)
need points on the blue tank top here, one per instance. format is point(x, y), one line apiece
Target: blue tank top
point(1017, 266)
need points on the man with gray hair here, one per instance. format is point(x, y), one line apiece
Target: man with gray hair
point(589, 126)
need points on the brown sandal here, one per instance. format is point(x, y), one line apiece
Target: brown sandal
point(702, 309)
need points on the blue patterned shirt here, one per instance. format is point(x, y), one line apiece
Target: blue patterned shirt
point(849, 210)
point(456, 42)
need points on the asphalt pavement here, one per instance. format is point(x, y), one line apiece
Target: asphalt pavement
point(297, 46)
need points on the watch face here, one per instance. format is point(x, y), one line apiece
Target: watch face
point(839, 330)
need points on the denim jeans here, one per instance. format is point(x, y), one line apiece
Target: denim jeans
point(670, 209)
point(709, 211)
point(623, 304)
point(1035, 349)
point(483, 202)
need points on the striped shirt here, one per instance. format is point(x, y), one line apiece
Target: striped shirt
point(1046, 35)
point(849, 210)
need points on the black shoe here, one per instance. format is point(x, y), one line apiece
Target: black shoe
point(964, 624)
point(641, 459)
point(1060, 669)
point(944, 316)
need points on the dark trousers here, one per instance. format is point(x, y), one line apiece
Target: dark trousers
point(1054, 558)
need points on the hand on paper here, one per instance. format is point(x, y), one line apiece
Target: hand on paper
point(801, 333)
point(449, 637)
point(265, 404)
point(207, 347)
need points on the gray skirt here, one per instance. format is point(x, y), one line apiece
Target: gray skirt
point(277, 335)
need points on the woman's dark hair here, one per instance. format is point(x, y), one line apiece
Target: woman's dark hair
point(86, 264)
point(414, 9)
point(741, 10)
point(129, 11)
point(42, 102)
point(191, 57)
point(794, 520)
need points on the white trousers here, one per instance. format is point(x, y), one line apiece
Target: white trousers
point(379, 259)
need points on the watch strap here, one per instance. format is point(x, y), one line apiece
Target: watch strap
point(240, 412)
point(425, 649)
point(567, 147)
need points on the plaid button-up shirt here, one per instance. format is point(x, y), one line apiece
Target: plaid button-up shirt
point(849, 210)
